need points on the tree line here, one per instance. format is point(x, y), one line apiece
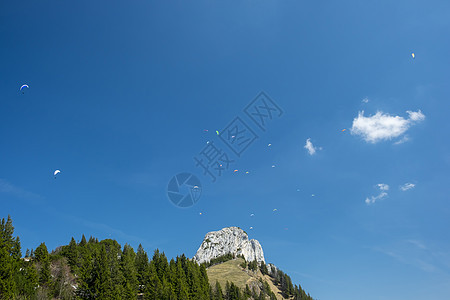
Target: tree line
point(92, 269)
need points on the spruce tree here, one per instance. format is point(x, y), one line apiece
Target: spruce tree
point(71, 253)
point(83, 241)
point(42, 257)
point(142, 265)
point(128, 269)
point(181, 288)
point(218, 293)
point(8, 259)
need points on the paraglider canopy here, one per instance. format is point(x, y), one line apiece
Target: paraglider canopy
point(24, 86)
point(56, 172)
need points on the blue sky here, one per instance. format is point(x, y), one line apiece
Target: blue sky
point(120, 94)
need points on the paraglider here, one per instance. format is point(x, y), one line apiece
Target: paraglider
point(251, 215)
point(413, 55)
point(217, 132)
point(275, 209)
point(343, 130)
point(56, 173)
point(24, 86)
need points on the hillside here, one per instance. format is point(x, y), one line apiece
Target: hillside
point(232, 271)
point(93, 269)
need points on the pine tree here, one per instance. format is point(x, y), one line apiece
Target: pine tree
point(181, 288)
point(8, 263)
point(102, 286)
point(43, 259)
point(218, 294)
point(128, 269)
point(71, 253)
point(83, 241)
point(247, 292)
point(142, 265)
point(153, 285)
point(264, 269)
point(31, 280)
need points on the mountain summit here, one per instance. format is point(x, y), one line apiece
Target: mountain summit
point(230, 240)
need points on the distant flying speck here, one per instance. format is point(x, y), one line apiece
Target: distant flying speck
point(200, 213)
point(251, 215)
point(217, 132)
point(273, 166)
point(275, 209)
point(343, 130)
point(413, 55)
point(56, 172)
point(205, 130)
point(298, 190)
point(251, 227)
point(269, 145)
point(246, 172)
point(235, 170)
point(312, 195)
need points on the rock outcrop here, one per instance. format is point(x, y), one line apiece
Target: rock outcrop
point(229, 240)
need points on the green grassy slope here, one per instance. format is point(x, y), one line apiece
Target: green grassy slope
point(233, 272)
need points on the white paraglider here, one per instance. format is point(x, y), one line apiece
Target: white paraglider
point(56, 173)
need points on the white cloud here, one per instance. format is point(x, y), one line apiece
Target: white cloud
point(373, 199)
point(416, 115)
point(310, 147)
point(407, 186)
point(383, 186)
point(383, 126)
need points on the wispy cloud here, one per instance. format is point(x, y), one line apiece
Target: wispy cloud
point(310, 147)
point(365, 100)
point(417, 243)
point(407, 186)
point(382, 126)
point(419, 254)
point(404, 139)
point(383, 186)
point(107, 229)
point(373, 199)
point(15, 191)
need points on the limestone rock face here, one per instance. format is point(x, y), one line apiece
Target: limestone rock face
point(229, 240)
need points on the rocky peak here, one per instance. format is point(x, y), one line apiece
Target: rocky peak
point(232, 240)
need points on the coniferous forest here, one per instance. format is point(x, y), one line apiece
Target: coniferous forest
point(92, 269)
